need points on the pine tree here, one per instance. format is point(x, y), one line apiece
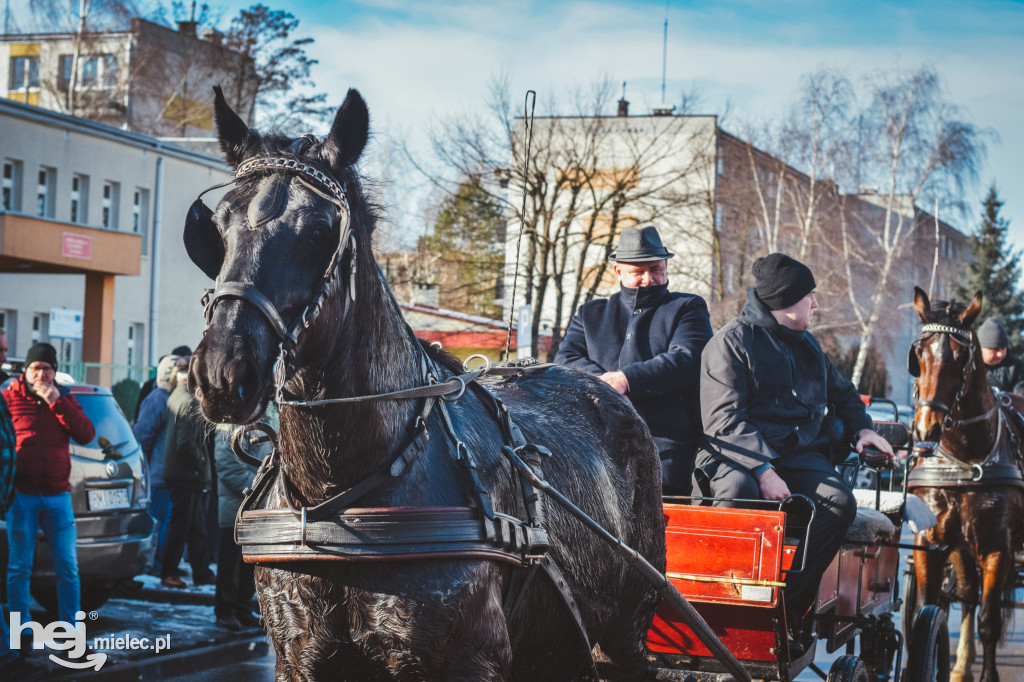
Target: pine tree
point(994, 270)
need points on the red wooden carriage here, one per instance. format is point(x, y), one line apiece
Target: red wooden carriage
point(731, 564)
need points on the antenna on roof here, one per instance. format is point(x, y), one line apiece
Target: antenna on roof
point(664, 53)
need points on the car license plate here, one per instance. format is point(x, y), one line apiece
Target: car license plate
point(113, 498)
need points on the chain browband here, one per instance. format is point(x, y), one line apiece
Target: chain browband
point(289, 164)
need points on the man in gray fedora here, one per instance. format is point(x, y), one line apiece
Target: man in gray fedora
point(645, 342)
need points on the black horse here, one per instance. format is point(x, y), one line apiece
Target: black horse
point(301, 303)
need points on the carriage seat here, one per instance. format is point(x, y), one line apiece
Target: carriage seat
point(895, 508)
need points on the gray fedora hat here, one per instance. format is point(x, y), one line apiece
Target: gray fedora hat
point(640, 245)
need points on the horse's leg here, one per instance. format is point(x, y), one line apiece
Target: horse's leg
point(995, 567)
point(967, 590)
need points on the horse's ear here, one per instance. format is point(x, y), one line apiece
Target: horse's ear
point(349, 133)
point(921, 304)
point(234, 135)
point(968, 316)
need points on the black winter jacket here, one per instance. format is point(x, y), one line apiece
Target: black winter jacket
point(764, 391)
point(1008, 375)
point(655, 338)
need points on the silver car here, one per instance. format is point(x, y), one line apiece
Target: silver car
point(110, 497)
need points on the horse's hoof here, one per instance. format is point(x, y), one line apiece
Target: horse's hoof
point(960, 675)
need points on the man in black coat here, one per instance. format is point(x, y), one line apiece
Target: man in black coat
point(765, 385)
point(645, 342)
point(1005, 371)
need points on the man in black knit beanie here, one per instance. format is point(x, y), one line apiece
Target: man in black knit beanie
point(765, 385)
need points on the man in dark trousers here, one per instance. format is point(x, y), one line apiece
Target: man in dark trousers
point(188, 474)
point(645, 342)
point(1005, 371)
point(765, 385)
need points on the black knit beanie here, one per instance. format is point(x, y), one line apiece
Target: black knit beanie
point(42, 352)
point(781, 281)
point(993, 334)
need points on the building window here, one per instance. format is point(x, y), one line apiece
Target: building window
point(136, 333)
point(109, 62)
point(64, 64)
point(44, 192)
point(12, 185)
point(80, 199)
point(40, 327)
point(111, 193)
point(140, 215)
point(24, 73)
point(90, 71)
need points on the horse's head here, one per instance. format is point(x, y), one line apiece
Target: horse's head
point(945, 361)
point(281, 246)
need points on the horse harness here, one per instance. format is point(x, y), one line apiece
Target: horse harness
point(931, 465)
point(337, 530)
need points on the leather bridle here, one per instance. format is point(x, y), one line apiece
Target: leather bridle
point(325, 185)
point(964, 338)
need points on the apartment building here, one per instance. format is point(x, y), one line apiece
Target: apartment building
point(90, 221)
point(149, 79)
point(720, 203)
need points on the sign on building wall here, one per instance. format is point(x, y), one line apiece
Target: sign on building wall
point(65, 324)
point(76, 246)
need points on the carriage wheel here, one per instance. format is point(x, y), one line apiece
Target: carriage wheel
point(847, 669)
point(928, 659)
point(909, 602)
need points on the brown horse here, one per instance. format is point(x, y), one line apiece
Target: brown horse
point(301, 314)
point(972, 482)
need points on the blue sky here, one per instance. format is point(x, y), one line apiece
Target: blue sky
point(416, 61)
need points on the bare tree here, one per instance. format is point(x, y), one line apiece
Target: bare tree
point(916, 145)
point(89, 24)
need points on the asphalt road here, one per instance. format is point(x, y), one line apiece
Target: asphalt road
point(198, 651)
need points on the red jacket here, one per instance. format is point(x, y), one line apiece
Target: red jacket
point(43, 432)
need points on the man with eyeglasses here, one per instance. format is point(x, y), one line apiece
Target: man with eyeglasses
point(46, 416)
point(645, 342)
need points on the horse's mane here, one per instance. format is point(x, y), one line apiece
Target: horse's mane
point(946, 312)
point(442, 357)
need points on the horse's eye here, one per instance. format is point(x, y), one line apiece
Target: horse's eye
point(316, 233)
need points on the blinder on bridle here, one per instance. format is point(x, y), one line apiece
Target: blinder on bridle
point(206, 249)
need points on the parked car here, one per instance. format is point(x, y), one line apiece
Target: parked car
point(110, 498)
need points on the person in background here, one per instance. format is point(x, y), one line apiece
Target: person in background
point(150, 430)
point(147, 388)
point(645, 342)
point(188, 476)
point(46, 417)
point(765, 385)
point(8, 452)
point(1005, 370)
point(235, 582)
point(4, 376)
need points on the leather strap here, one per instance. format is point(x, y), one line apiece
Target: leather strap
point(387, 534)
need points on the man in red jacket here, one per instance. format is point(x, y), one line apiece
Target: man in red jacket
point(45, 417)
